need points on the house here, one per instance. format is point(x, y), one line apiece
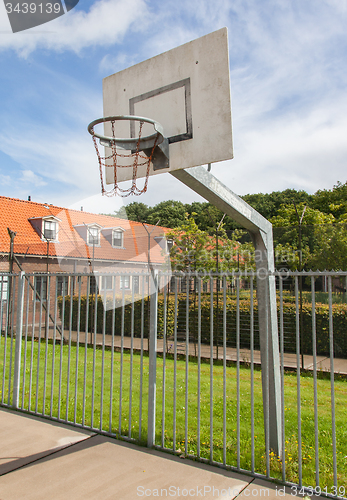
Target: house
point(44, 238)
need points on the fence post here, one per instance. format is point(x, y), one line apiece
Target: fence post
point(19, 334)
point(152, 358)
point(269, 345)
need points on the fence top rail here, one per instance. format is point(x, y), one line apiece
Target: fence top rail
point(263, 273)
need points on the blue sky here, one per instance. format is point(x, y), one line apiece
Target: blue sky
point(288, 88)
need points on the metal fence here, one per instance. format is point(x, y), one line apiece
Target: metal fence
point(175, 362)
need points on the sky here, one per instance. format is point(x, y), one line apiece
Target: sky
point(288, 89)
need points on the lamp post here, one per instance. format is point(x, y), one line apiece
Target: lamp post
point(217, 271)
point(150, 269)
point(300, 279)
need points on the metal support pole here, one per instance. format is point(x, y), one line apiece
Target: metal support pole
point(210, 188)
point(19, 334)
point(152, 358)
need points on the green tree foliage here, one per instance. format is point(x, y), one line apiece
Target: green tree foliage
point(332, 201)
point(323, 226)
point(330, 253)
point(134, 211)
point(190, 250)
point(195, 250)
point(268, 205)
point(170, 213)
point(320, 238)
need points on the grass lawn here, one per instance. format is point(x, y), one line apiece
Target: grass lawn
point(54, 381)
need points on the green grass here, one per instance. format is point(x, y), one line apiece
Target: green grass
point(106, 416)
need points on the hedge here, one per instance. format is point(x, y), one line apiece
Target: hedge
point(322, 321)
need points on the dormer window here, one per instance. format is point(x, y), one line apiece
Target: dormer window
point(49, 230)
point(114, 236)
point(117, 238)
point(47, 227)
point(93, 236)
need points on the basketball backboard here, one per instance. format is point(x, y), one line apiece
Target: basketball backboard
point(186, 90)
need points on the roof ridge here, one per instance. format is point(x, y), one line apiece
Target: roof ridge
point(57, 207)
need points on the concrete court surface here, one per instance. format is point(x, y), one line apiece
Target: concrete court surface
point(44, 460)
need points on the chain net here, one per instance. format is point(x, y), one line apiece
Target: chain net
point(136, 159)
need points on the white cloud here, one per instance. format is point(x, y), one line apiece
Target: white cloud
point(5, 180)
point(98, 204)
point(29, 177)
point(105, 24)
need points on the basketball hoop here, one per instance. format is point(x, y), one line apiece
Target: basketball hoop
point(143, 150)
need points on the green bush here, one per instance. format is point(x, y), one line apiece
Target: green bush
point(105, 319)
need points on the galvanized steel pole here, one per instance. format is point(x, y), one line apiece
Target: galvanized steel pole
point(210, 188)
point(152, 358)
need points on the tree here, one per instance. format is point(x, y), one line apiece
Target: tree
point(331, 252)
point(268, 205)
point(190, 250)
point(194, 250)
point(332, 201)
point(170, 213)
point(286, 234)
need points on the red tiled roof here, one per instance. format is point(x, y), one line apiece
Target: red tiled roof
point(15, 215)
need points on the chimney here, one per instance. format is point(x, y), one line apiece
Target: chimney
point(29, 198)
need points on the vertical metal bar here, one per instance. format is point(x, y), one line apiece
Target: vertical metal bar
point(19, 335)
point(164, 364)
point(298, 379)
point(152, 359)
point(38, 349)
point(187, 368)
point(112, 351)
point(61, 349)
point(175, 366)
point(54, 341)
point(69, 351)
point(199, 370)
point(79, 281)
point(48, 305)
point(5, 346)
point(2, 281)
point(25, 341)
point(238, 369)
point(94, 352)
point(131, 359)
point(283, 458)
point(332, 378)
point(141, 358)
point(13, 290)
point(86, 352)
point(224, 371)
point(266, 368)
point(103, 358)
point(32, 345)
point(211, 367)
point(121, 361)
point(315, 388)
point(251, 320)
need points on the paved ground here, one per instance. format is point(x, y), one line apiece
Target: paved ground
point(42, 460)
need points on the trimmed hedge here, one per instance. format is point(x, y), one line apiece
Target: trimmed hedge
point(322, 321)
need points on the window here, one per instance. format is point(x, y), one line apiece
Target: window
point(3, 287)
point(41, 288)
point(136, 284)
point(62, 285)
point(124, 282)
point(117, 239)
point(93, 236)
point(106, 283)
point(49, 230)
